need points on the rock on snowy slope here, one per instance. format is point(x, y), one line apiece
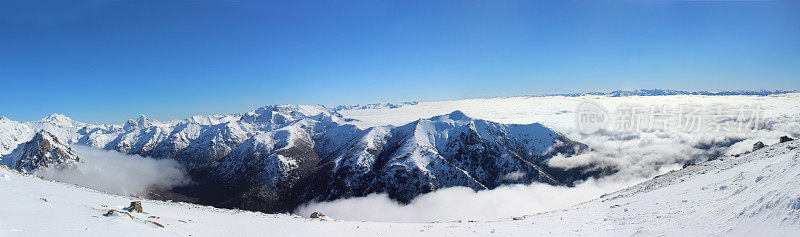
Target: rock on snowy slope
point(44, 150)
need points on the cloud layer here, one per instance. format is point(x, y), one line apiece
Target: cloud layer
point(635, 156)
point(461, 203)
point(119, 173)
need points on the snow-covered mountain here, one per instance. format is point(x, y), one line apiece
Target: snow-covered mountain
point(277, 157)
point(13, 133)
point(442, 151)
point(42, 151)
point(321, 158)
point(374, 106)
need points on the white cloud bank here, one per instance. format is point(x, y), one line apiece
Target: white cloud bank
point(635, 157)
point(119, 173)
point(461, 203)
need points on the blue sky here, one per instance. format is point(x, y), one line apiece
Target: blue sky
point(108, 61)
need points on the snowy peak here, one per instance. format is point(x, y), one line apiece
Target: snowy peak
point(458, 116)
point(293, 110)
point(528, 140)
point(282, 114)
point(57, 117)
point(130, 125)
point(44, 150)
point(374, 106)
point(12, 133)
point(455, 117)
point(212, 119)
point(60, 120)
point(140, 123)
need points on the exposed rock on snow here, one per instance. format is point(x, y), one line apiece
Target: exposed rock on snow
point(317, 215)
point(758, 145)
point(136, 206)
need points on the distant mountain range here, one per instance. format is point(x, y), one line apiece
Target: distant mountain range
point(616, 93)
point(374, 106)
point(660, 92)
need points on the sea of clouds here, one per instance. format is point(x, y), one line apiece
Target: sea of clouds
point(635, 156)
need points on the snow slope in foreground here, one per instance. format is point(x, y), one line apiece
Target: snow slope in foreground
point(758, 193)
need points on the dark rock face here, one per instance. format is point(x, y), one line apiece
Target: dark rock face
point(136, 206)
point(758, 145)
point(317, 215)
point(786, 139)
point(44, 150)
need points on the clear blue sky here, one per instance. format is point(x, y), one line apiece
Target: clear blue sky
point(108, 61)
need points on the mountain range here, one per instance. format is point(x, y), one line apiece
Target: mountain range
point(277, 157)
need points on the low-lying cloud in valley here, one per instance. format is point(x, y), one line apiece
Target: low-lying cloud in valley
point(462, 203)
point(119, 173)
point(633, 156)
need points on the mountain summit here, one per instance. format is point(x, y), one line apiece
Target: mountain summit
point(44, 150)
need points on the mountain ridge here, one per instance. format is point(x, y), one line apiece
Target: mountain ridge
point(275, 157)
point(42, 151)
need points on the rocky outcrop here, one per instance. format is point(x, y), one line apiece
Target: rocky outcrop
point(758, 145)
point(44, 150)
